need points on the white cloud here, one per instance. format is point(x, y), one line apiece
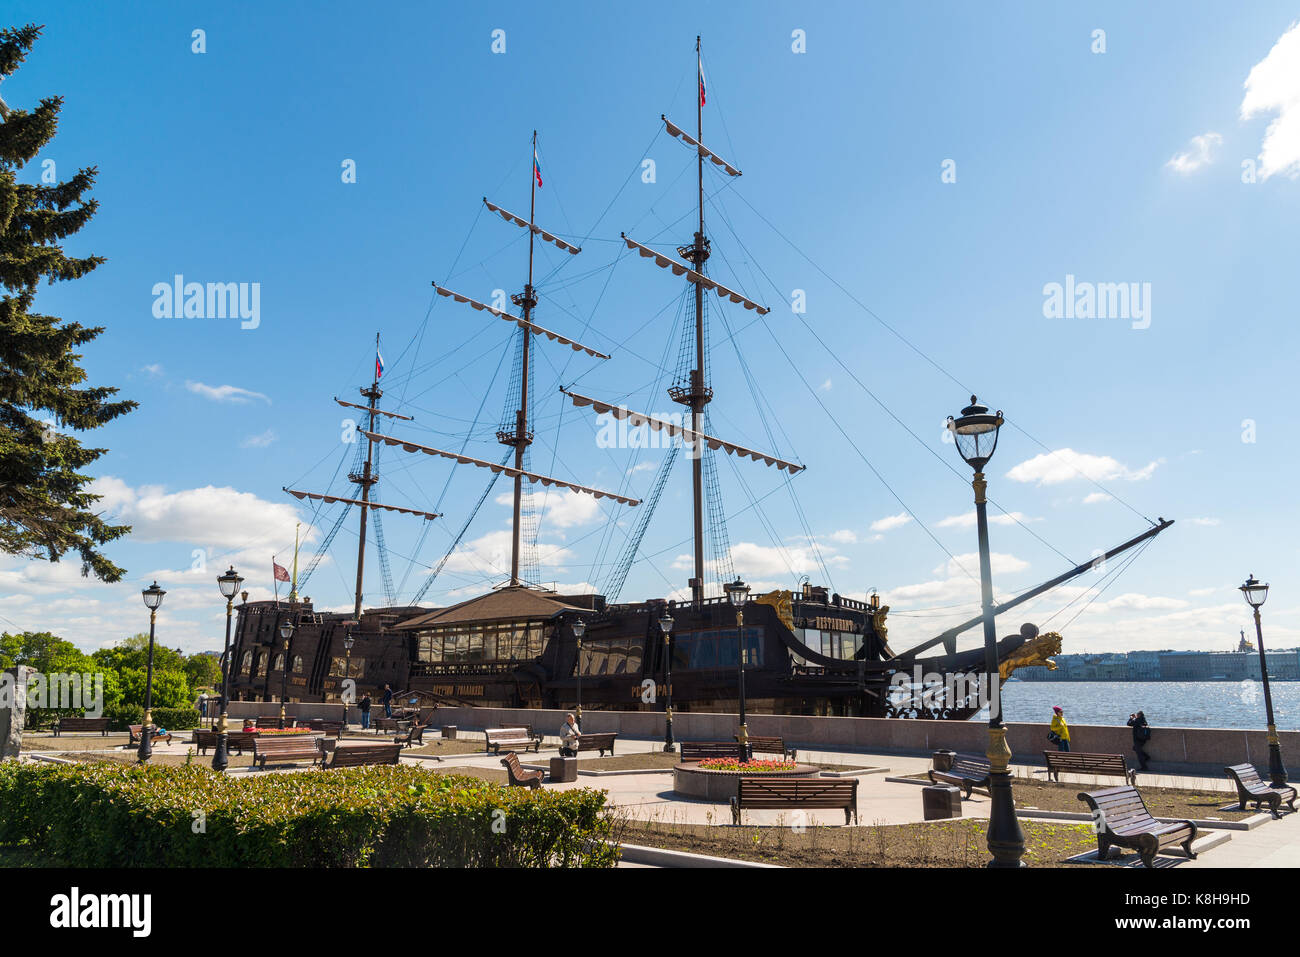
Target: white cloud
point(259, 441)
point(826, 386)
point(560, 509)
point(1063, 465)
point(1205, 521)
point(1273, 87)
point(225, 393)
point(1198, 153)
point(890, 522)
point(643, 467)
point(1001, 564)
point(154, 369)
point(1096, 497)
point(968, 520)
point(751, 560)
point(845, 536)
point(202, 517)
point(489, 556)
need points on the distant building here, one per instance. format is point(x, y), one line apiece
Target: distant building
point(1283, 665)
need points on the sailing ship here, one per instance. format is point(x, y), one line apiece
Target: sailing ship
point(805, 650)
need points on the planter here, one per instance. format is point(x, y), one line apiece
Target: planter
point(690, 780)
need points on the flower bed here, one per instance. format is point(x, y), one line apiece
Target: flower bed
point(752, 766)
point(278, 731)
point(115, 815)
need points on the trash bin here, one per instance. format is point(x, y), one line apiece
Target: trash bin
point(941, 801)
point(943, 759)
point(564, 769)
point(449, 732)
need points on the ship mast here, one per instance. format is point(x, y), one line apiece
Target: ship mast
point(365, 480)
point(698, 394)
point(521, 438)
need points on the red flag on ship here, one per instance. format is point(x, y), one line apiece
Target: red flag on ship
point(281, 573)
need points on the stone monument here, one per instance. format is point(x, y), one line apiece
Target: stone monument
point(13, 709)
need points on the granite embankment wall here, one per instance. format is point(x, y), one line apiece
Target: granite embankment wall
point(1200, 750)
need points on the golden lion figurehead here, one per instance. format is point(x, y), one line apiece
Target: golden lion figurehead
point(1035, 651)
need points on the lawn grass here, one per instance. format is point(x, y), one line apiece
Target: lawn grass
point(1192, 804)
point(938, 844)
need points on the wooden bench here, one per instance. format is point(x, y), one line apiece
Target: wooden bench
point(81, 724)
point(1121, 818)
point(803, 793)
point(1081, 762)
point(705, 750)
point(511, 738)
point(205, 738)
point(331, 729)
point(414, 735)
point(282, 749)
point(518, 776)
point(773, 745)
point(272, 721)
point(134, 731)
point(967, 772)
point(601, 741)
point(365, 754)
point(386, 724)
point(1251, 787)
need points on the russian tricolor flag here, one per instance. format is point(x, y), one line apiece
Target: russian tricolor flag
point(379, 364)
point(700, 68)
point(537, 168)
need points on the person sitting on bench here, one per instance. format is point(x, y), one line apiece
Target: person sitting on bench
point(569, 735)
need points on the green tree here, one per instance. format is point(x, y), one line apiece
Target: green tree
point(170, 688)
point(133, 652)
point(203, 671)
point(45, 510)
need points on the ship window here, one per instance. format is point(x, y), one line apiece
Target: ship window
point(247, 663)
point(297, 664)
point(716, 649)
point(279, 662)
point(474, 644)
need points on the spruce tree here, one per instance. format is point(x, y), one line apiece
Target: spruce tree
point(45, 510)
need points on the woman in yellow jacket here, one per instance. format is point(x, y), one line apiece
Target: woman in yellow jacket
point(1060, 732)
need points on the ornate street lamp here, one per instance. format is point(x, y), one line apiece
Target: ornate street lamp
point(738, 594)
point(1255, 593)
point(579, 629)
point(229, 584)
point(286, 632)
point(347, 673)
point(666, 626)
point(975, 433)
point(153, 596)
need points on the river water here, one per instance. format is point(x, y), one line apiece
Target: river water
point(1168, 704)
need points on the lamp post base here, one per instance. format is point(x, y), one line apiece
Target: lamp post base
point(221, 753)
point(1006, 841)
point(669, 744)
point(1276, 769)
point(145, 751)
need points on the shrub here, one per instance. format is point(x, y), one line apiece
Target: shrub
point(173, 719)
point(118, 815)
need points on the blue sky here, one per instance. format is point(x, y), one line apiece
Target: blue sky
point(1124, 166)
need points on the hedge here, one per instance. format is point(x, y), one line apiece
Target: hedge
point(173, 719)
point(117, 815)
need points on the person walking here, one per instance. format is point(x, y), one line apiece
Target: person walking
point(388, 701)
point(1060, 731)
point(364, 705)
point(1141, 735)
point(569, 735)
